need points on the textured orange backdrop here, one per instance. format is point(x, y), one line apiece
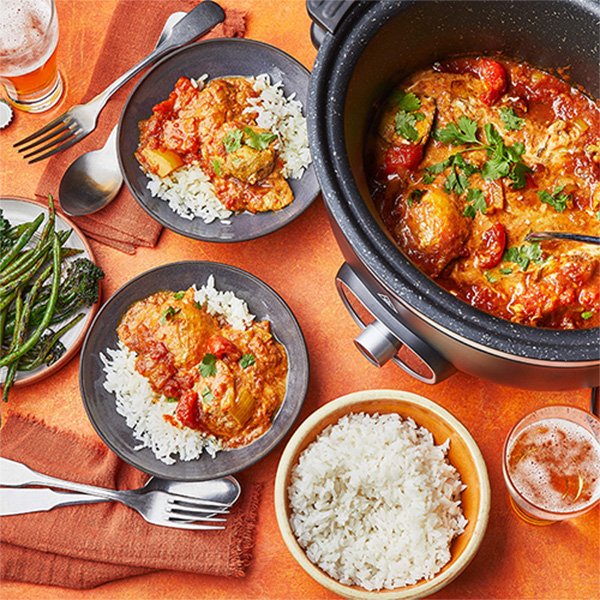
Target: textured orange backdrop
point(300, 262)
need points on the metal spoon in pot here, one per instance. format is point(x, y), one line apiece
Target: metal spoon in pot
point(559, 235)
point(95, 178)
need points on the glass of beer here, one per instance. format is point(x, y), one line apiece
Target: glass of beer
point(551, 464)
point(28, 42)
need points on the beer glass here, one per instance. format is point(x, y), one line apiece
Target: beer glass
point(551, 464)
point(28, 42)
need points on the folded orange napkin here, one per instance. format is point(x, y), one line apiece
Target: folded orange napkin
point(134, 29)
point(83, 546)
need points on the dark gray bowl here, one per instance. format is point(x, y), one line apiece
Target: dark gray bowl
point(262, 301)
point(217, 58)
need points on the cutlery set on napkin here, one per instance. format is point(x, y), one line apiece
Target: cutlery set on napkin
point(84, 545)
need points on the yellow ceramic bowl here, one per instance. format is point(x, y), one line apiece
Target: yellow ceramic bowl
point(464, 454)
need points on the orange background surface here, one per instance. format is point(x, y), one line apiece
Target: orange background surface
point(300, 262)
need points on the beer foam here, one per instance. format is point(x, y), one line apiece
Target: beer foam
point(555, 465)
point(23, 24)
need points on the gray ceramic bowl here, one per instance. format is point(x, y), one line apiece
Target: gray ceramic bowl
point(217, 58)
point(262, 301)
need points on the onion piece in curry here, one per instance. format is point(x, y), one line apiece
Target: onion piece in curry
point(228, 383)
point(469, 156)
point(215, 127)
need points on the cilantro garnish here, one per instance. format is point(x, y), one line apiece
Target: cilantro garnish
point(510, 119)
point(415, 196)
point(406, 100)
point(491, 277)
point(207, 395)
point(216, 163)
point(461, 170)
point(464, 133)
point(428, 178)
point(407, 115)
point(588, 314)
point(476, 200)
point(259, 141)
point(247, 360)
point(506, 271)
point(179, 295)
point(232, 140)
point(557, 200)
point(208, 367)
point(171, 399)
point(168, 314)
point(524, 255)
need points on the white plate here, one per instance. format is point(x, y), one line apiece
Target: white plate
point(21, 210)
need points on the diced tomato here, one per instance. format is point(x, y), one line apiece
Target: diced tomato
point(221, 347)
point(187, 411)
point(494, 79)
point(405, 157)
point(491, 249)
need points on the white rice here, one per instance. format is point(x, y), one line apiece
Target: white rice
point(188, 189)
point(375, 503)
point(144, 411)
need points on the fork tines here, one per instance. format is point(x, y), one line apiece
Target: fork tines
point(64, 125)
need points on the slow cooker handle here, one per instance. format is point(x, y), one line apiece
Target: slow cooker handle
point(381, 340)
point(326, 16)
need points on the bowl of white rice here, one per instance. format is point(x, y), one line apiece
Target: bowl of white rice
point(382, 494)
point(185, 201)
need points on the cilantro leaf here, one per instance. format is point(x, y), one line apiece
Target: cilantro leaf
point(259, 141)
point(232, 140)
point(588, 314)
point(216, 163)
point(415, 196)
point(208, 366)
point(524, 255)
point(406, 101)
point(179, 295)
point(510, 119)
point(557, 200)
point(404, 124)
point(168, 314)
point(428, 178)
point(247, 360)
point(476, 199)
point(463, 133)
point(518, 175)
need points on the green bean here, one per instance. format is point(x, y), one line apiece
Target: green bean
point(32, 340)
point(21, 241)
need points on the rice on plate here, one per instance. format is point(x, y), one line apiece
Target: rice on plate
point(375, 503)
point(151, 416)
point(189, 189)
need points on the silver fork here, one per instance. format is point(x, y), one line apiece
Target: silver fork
point(155, 506)
point(80, 120)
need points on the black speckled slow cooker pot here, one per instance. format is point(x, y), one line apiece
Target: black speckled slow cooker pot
point(366, 47)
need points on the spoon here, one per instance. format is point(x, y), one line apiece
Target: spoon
point(95, 178)
point(558, 235)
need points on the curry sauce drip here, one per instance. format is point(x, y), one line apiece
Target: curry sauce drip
point(228, 383)
point(466, 158)
point(213, 127)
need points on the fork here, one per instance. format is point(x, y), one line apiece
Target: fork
point(156, 507)
point(80, 120)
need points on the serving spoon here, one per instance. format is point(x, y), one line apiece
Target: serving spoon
point(95, 178)
point(559, 235)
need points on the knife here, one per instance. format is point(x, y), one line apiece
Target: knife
point(19, 501)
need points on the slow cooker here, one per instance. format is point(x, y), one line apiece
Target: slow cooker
point(364, 48)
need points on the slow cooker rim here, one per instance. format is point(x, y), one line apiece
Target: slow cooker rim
point(376, 252)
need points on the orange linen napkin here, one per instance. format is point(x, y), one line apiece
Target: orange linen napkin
point(133, 31)
point(86, 545)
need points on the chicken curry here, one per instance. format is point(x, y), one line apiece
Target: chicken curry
point(215, 126)
point(227, 383)
point(465, 159)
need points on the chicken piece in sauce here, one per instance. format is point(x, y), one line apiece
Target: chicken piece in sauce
point(228, 383)
point(212, 126)
point(468, 157)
